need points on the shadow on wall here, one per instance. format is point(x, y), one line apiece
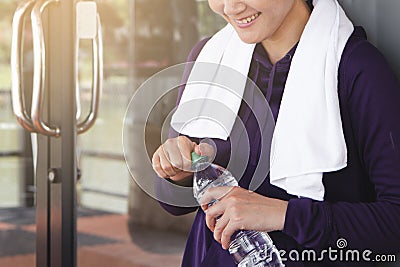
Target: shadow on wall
point(381, 21)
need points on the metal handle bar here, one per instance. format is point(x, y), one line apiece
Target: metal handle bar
point(17, 94)
point(39, 75)
point(97, 82)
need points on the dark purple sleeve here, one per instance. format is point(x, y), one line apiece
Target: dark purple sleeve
point(373, 103)
point(161, 186)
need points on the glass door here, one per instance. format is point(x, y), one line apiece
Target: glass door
point(39, 141)
point(10, 131)
point(17, 190)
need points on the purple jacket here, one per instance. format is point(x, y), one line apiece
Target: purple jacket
point(362, 201)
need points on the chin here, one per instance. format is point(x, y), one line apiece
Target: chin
point(249, 39)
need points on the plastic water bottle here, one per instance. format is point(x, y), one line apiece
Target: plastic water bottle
point(249, 248)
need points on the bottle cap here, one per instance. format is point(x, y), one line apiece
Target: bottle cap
point(196, 158)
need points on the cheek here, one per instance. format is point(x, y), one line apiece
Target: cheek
point(217, 6)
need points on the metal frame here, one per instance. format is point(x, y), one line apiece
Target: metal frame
point(53, 117)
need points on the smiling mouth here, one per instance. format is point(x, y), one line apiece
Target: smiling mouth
point(248, 19)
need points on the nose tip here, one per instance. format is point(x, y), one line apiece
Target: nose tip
point(233, 7)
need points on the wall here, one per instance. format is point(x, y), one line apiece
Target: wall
point(381, 21)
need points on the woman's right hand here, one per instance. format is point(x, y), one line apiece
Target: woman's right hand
point(173, 158)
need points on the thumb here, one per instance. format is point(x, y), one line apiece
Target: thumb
point(197, 149)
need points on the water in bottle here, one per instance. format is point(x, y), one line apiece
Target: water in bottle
point(249, 248)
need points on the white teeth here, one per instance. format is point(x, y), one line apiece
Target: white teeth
point(248, 19)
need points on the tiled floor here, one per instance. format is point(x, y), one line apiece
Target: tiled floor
point(103, 240)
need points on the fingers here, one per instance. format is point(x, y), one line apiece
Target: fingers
point(167, 166)
point(220, 227)
point(213, 214)
point(224, 217)
point(222, 223)
point(226, 235)
point(197, 149)
point(208, 150)
point(241, 209)
point(215, 193)
point(178, 152)
point(217, 209)
point(185, 148)
point(173, 157)
point(157, 166)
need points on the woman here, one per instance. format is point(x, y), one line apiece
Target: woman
point(361, 201)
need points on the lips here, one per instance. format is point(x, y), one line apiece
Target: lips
point(247, 20)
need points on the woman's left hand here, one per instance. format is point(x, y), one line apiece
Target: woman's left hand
point(241, 209)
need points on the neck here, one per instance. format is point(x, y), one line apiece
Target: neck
point(289, 33)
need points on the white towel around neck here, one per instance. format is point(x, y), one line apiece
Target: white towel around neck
point(215, 87)
point(308, 138)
